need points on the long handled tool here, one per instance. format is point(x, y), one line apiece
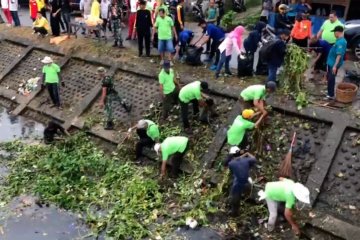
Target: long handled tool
point(285, 169)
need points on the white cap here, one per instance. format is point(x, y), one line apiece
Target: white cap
point(301, 193)
point(47, 60)
point(141, 124)
point(234, 150)
point(157, 148)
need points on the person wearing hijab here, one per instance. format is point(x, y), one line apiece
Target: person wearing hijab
point(252, 41)
point(233, 42)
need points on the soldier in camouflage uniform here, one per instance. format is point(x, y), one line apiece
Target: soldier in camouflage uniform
point(115, 16)
point(108, 96)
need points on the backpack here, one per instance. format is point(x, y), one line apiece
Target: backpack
point(193, 55)
point(266, 49)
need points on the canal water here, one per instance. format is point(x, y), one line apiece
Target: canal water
point(23, 218)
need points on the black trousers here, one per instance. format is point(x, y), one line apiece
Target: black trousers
point(145, 141)
point(168, 101)
point(301, 42)
point(55, 25)
point(40, 30)
point(176, 161)
point(185, 111)
point(53, 89)
point(215, 51)
point(144, 35)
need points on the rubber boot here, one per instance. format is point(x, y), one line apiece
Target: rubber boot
point(115, 44)
point(109, 125)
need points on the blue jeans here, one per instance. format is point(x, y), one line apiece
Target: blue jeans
point(15, 17)
point(272, 69)
point(223, 59)
point(331, 80)
point(165, 46)
point(66, 18)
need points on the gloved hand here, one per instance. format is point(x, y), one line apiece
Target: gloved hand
point(262, 195)
point(250, 180)
point(42, 86)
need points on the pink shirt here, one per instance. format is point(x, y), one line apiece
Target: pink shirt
point(230, 45)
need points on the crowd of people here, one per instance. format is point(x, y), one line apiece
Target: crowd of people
point(166, 25)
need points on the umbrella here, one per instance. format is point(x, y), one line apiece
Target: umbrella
point(285, 169)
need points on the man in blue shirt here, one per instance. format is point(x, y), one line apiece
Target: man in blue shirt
point(217, 35)
point(321, 48)
point(239, 166)
point(335, 60)
point(185, 38)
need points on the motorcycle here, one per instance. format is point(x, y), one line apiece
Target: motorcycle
point(197, 9)
point(239, 5)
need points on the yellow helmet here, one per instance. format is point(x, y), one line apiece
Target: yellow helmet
point(283, 7)
point(247, 113)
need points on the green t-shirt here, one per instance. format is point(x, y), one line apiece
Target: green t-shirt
point(281, 191)
point(237, 130)
point(173, 145)
point(167, 80)
point(164, 27)
point(152, 130)
point(190, 92)
point(253, 92)
point(51, 73)
point(327, 33)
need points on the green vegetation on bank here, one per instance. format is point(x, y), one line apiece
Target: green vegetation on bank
point(115, 195)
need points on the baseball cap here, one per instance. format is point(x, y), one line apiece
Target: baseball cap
point(247, 113)
point(141, 124)
point(101, 70)
point(166, 64)
point(285, 32)
point(338, 29)
point(234, 150)
point(271, 85)
point(301, 193)
point(157, 148)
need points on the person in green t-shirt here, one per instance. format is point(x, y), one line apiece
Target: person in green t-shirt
point(326, 31)
point(174, 148)
point(148, 133)
point(164, 26)
point(236, 135)
point(168, 88)
point(192, 93)
point(254, 96)
point(50, 79)
point(284, 191)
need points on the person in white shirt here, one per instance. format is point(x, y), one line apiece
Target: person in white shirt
point(104, 12)
point(13, 7)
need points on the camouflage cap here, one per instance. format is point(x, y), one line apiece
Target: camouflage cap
point(101, 70)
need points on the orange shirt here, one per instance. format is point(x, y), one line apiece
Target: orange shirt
point(301, 29)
